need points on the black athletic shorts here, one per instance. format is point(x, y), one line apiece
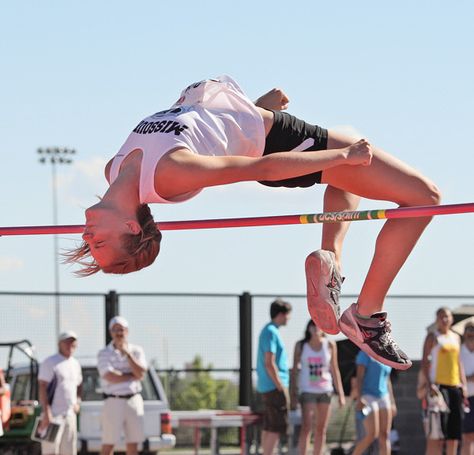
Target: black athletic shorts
point(288, 133)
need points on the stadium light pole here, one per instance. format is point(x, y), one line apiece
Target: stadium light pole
point(56, 156)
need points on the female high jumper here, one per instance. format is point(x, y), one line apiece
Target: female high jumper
point(214, 135)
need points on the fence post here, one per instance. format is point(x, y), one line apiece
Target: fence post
point(245, 380)
point(111, 310)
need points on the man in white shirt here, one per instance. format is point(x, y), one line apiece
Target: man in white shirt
point(121, 367)
point(60, 387)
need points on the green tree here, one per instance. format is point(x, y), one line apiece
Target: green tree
point(227, 394)
point(197, 390)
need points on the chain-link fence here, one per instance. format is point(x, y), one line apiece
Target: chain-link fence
point(193, 340)
point(174, 328)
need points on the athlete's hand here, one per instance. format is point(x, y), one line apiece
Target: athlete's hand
point(359, 153)
point(275, 100)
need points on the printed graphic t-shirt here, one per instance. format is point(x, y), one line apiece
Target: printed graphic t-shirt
point(315, 375)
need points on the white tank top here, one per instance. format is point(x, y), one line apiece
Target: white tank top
point(315, 375)
point(212, 117)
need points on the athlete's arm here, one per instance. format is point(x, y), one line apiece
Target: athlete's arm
point(181, 171)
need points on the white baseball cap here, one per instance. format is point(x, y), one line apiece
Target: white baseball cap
point(118, 320)
point(66, 335)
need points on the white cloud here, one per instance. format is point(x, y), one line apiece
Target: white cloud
point(92, 168)
point(83, 181)
point(348, 130)
point(64, 181)
point(10, 263)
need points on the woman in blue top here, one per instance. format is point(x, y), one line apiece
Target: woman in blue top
point(375, 403)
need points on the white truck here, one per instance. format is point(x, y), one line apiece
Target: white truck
point(25, 407)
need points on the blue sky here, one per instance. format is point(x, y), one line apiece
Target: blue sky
point(82, 74)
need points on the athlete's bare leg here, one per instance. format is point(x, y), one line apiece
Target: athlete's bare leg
point(337, 200)
point(389, 179)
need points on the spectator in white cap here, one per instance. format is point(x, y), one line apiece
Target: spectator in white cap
point(60, 388)
point(122, 366)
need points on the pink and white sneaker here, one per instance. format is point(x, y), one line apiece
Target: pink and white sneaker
point(323, 283)
point(373, 335)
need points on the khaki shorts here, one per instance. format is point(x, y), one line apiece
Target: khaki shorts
point(275, 412)
point(123, 416)
point(66, 443)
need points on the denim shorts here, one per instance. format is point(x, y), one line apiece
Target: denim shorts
point(308, 397)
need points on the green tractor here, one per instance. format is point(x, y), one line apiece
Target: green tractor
point(22, 380)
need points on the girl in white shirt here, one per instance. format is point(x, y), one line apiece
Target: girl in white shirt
point(314, 377)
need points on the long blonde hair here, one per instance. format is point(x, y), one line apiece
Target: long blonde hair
point(140, 249)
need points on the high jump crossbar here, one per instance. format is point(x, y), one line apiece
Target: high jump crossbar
point(326, 217)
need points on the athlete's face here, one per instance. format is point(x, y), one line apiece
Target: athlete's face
point(103, 233)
